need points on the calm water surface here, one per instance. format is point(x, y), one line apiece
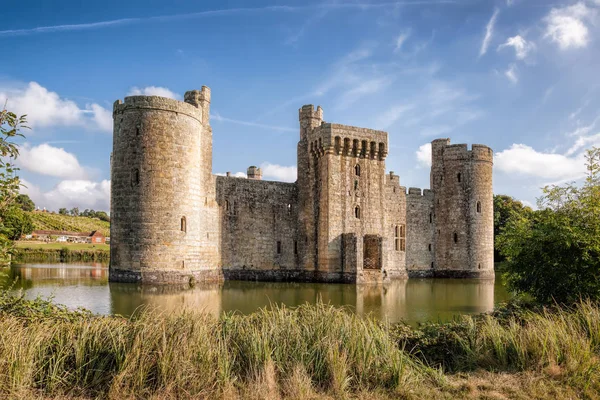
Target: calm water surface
point(414, 300)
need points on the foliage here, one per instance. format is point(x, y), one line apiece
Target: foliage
point(60, 222)
point(74, 211)
point(16, 223)
point(554, 253)
point(10, 127)
point(505, 208)
point(63, 211)
point(312, 351)
point(59, 252)
point(25, 202)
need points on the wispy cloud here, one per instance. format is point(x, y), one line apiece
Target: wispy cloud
point(511, 73)
point(392, 115)
point(522, 47)
point(219, 118)
point(489, 32)
point(216, 13)
point(401, 39)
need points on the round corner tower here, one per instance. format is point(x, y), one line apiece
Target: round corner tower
point(160, 177)
point(461, 180)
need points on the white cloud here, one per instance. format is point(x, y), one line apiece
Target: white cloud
point(279, 172)
point(45, 108)
point(400, 40)
point(51, 161)
point(489, 32)
point(102, 117)
point(524, 160)
point(235, 174)
point(71, 193)
point(424, 155)
point(522, 47)
point(153, 91)
point(511, 73)
point(566, 27)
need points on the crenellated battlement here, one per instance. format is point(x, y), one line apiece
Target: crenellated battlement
point(200, 99)
point(349, 141)
point(392, 179)
point(133, 103)
point(443, 151)
point(481, 152)
point(420, 193)
point(308, 111)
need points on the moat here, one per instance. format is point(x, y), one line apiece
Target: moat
point(415, 300)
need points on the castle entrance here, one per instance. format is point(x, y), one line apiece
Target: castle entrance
point(372, 252)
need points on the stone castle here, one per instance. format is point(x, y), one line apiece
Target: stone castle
point(344, 219)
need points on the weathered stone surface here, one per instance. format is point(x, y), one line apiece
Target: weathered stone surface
point(344, 220)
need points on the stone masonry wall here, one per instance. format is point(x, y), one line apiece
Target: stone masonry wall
point(349, 173)
point(155, 196)
point(258, 228)
point(395, 221)
point(463, 237)
point(420, 231)
point(173, 221)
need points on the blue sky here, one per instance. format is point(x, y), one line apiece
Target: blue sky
point(518, 75)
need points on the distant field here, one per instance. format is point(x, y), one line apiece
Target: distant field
point(57, 222)
point(70, 246)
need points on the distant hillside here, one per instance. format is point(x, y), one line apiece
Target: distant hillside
point(57, 222)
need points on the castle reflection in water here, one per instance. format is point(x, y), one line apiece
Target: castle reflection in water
point(415, 300)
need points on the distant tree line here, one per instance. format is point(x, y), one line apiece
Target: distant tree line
point(101, 215)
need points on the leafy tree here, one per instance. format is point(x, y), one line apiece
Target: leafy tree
point(63, 211)
point(103, 216)
point(554, 253)
point(506, 207)
point(25, 202)
point(10, 127)
point(16, 223)
point(75, 211)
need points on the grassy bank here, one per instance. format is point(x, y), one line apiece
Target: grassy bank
point(58, 222)
point(60, 252)
point(307, 352)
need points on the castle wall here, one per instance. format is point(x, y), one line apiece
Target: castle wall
point(349, 171)
point(420, 248)
point(463, 237)
point(258, 228)
point(395, 222)
point(344, 220)
point(155, 196)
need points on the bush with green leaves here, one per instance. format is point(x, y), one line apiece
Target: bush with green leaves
point(10, 129)
point(554, 253)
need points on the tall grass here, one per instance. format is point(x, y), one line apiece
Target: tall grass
point(305, 352)
point(309, 349)
point(561, 342)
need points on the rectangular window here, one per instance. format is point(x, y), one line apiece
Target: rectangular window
point(278, 247)
point(400, 237)
point(295, 247)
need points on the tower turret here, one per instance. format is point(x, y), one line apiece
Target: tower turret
point(200, 99)
point(461, 180)
point(309, 119)
point(254, 173)
point(160, 200)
